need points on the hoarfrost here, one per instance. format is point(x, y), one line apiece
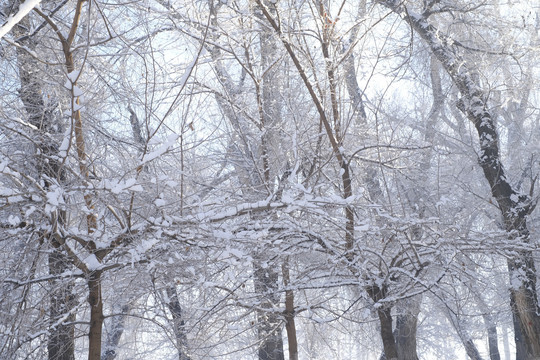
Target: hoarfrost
point(13, 20)
point(166, 146)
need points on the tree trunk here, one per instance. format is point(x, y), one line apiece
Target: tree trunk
point(268, 321)
point(467, 342)
point(493, 345)
point(96, 315)
point(62, 300)
point(514, 206)
point(173, 304)
point(524, 304)
point(290, 326)
point(506, 342)
point(406, 326)
point(385, 318)
point(61, 345)
point(115, 334)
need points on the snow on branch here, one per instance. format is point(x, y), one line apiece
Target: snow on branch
point(14, 19)
point(166, 146)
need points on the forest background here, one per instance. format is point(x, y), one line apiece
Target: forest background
point(258, 179)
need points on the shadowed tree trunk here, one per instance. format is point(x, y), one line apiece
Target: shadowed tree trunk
point(268, 320)
point(406, 326)
point(390, 350)
point(173, 304)
point(61, 344)
point(96, 315)
point(48, 126)
point(290, 326)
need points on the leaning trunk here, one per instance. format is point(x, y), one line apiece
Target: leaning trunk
point(464, 336)
point(175, 308)
point(514, 206)
point(115, 334)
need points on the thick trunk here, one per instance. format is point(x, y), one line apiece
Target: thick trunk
point(521, 348)
point(385, 318)
point(387, 336)
point(524, 303)
point(268, 321)
point(406, 326)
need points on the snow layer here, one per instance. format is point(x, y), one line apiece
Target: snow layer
point(13, 20)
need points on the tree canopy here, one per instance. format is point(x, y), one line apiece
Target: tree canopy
point(230, 179)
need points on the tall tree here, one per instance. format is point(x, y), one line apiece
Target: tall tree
point(515, 207)
point(48, 125)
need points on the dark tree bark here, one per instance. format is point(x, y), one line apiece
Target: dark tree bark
point(290, 326)
point(384, 313)
point(268, 321)
point(514, 206)
point(61, 344)
point(173, 304)
point(41, 115)
point(406, 328)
